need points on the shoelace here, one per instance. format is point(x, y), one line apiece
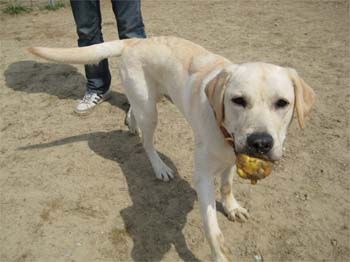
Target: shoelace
point(86, 99)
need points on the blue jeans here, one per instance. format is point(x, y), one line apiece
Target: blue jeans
point(87, 16)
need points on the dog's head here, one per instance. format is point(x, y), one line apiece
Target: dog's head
point(255, 103)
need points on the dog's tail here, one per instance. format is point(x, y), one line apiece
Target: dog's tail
point(81, 55)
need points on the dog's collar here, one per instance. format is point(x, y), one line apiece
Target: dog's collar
point(228, 137)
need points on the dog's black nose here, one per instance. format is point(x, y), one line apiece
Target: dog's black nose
point(260, 143)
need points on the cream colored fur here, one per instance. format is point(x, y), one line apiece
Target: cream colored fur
point(202, 85)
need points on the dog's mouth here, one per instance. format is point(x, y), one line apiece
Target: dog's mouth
point(268, 156)
point(240, 146)
point(263, 156)
point(245, 150)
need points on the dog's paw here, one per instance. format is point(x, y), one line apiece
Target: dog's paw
point(164, 173)
point(134, 130)
point(238, 214)
point(130, 122)
point(222, 251)
point(132, 127)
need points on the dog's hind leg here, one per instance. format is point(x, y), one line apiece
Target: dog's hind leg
point(147, 121)
point(130, 121)
point(143, 100)
point(232, 208)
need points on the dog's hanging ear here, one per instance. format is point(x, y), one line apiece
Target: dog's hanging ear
point(304, 96)
point(215, 91)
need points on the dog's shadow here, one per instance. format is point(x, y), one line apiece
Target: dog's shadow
point(60, 80)
point(159, 210)
point(158, 214)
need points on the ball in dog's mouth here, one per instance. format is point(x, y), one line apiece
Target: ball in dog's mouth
point(253, 168)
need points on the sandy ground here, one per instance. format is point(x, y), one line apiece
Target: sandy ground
point(82, 189)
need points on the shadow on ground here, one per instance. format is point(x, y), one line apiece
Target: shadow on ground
point(61, 80)
point(158, 214)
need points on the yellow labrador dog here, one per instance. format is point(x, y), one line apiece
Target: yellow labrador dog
point(252, 102)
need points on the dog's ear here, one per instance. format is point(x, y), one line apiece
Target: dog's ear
point(215, 91)
point(304, 96)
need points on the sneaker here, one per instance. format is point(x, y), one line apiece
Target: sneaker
point(90, 100)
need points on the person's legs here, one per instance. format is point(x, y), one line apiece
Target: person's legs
point(87, 17)
point(129, 18)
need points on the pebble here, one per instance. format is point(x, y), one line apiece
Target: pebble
point(334, 242)
point(301, 196)
point(304, 197)
point(258, 258)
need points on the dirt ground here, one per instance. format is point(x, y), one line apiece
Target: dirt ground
point(82, 189)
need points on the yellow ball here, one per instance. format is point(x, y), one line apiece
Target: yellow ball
point(253, 168)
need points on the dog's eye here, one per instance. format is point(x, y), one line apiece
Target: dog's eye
point(239, 101)
point(281, 103)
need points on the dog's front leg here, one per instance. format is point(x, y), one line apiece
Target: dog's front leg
point(232, 208)
point(205, 171)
